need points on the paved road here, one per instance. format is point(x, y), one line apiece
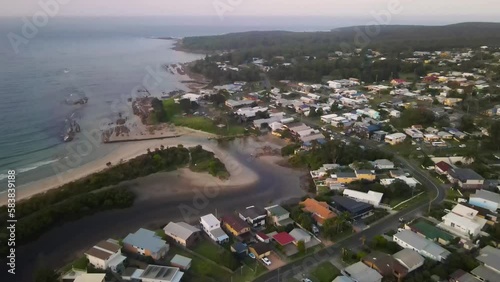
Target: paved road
point(354, 241)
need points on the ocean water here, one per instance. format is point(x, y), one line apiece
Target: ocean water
point(105, 60)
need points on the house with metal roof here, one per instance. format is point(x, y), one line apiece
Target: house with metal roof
point(465, 178)
point(147, 243)
point(235, 225)
point(410, 259)
point(462, 276)
point(106, 254)
point(255, 216)
point(410, 240)
point(485, 199)
point(431, 232)
point(300, 235)
point(355, 209)
point(182, 233)
point(385, 264)
point(211, 225)
point(489, 270)
point(464, 221)
point(278, 215)
point(181, 262)
point(370, 197)
point(283, 238)
point(160, 273)
point(320, 210)
point(360, 272)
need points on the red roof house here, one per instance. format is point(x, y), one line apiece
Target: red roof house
point(261, 236)
point(283, 238)
point(442, 168)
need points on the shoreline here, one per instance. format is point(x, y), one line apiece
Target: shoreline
point(239, 174)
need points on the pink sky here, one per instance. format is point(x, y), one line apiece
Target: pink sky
point(479, 10)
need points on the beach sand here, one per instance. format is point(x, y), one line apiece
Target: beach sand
point(240, 174)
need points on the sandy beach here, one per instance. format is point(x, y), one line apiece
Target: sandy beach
point(240, 174)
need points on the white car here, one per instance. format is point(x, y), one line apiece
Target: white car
point(462, 146)
point(266, 261)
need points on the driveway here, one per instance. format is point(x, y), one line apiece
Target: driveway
point(276, 261)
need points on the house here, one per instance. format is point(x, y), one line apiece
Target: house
point(182, 233)
point(410, 181)
point(489, 270)
point(410, 240)
point(414, 133)
point(283, 238)
point(355, 209)
point(211, 225)
point(260, 249)
point(254, 216)
point(379, 135)
point(346, 177)
point(362, 174)
point(410, 259)
point(465, 178)
point(444, 135)
point(278, 215)
point(464, 221)
point(89, 277)
point(485, 199)
point(371, 197)
point(235, 225)
point(147, 243)
point(360, 272)
point(395, 114)
point(431, 232)
point(261, 236)
point(160, 273)
point(181, 262)
point(395, 138)
point(462, 276)
point(106, 254)
point(240, 249)
point(300, 234)
point(383, 164)
point(442, 168)
point(385, 264)
point(320, 210)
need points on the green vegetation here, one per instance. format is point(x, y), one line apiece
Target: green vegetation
point(380, 243)
point(324, 272)
point(336, 152)
point(89, 195)
point(46, 274)
point(217, 254)
point(202, 161)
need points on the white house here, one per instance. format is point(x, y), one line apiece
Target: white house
point(414, 133)
point(395, 138)
point(411, 240)
point(211, 225)
point(106, 255)
point(328, 118)
point(371, 197)
point(395, 114)
point(192, 97)
point(485, 199)
point(410, 181)
point(464, 221)
point(383, 164)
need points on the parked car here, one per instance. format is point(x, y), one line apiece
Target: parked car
point(251, 255)
point(266, 261)
point(306, 280)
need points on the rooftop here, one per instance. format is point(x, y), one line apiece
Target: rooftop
point(464, 174)
point(235, 222)
point(485, 194)
point(362, 273)
point(277, 210)
point(283, 238)
point(180, 229)
point(253, 212)
point(350, 205)
point(162, 273)
point(90, 277)
point(409, 258)
point(490, 256)
point(145, 239)
point(299, 234)
point(180, 261)
point(430, 231)
point(210, 219)
point(421, 244)
point(261, 248)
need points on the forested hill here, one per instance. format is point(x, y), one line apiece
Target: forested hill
point(385, 38)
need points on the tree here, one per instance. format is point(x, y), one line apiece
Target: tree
point(467, 123)
point(301, 246)
point(306, 221)
point(45, 274)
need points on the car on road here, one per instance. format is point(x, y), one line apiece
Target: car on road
point(266, 261)
point(306, 280)
point(251, 255)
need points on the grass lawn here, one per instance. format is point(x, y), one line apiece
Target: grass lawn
point(217, 254)
point(424, 197)
point(201, 268)
point(249, 271)
point(453, 194)
point(324, 272)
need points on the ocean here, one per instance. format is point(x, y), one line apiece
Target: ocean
point(105, 60)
